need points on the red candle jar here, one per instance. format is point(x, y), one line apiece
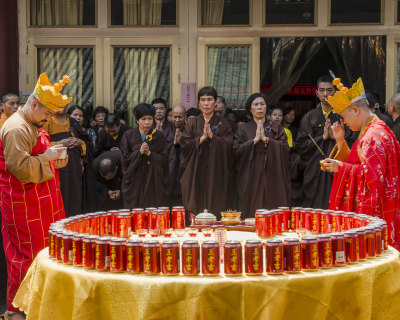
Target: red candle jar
point(210, 258)
point(103, 224)
point(190, 257)
point(112, 224)
point(124, 225)
point(52, 243)
point(286, 218)
point(378, 240)
point(151, 257)
point(77, 243)
point(278, 219)
point(88, 251)
point(274, 253)
point(292, 255)
point(351, 246)
point(309, 254)
point(59, 248)
point(167, 213)
point(325, 251)
point(66, 247)
point(315, 221)
point(325, 222)
point(264, 224)
point(370, 242)
point(295, 218)
point(158, 221)
point(257, 217)
point(94, 225)
point(361, 252)
point(346, 221)
point(117, 255)
point(385, 236)
point(233, 260)
point(134, 254)
point(139, 219)
point(305, 215)
point(178, 218)
point(102, 254)
point(254, 262)
point(336, 222)
point(338, 249)
point(170, 257)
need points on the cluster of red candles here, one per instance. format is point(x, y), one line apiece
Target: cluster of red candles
point(100, 241)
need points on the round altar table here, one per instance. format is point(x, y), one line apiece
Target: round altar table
point(367, 290)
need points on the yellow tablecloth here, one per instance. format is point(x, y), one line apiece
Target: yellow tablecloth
point(368, 290)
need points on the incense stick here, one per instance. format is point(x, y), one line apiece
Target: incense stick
point(317, 146)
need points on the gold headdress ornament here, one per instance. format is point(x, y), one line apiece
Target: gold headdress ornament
point(49, 95)
point(344, 97)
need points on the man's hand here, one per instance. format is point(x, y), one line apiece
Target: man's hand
point(327, 126)
point(144, 149)
point(331, 165)
point(111, 194)
point(53, 152)
point(209, 131)
point(60, 163)
point(114, 194)
point(114, 149)
point(178, 135)
point(338, 132)
point(75, 143)
point(263, 138)
point(65, 142)
point(258, 132)
point(205, 133)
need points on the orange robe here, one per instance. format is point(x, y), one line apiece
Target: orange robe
point(368, 180)
point(3, 119)
point(30, 197)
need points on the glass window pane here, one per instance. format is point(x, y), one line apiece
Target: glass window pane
point(62, 12)
point(225, 12)
point(289, 12)
point(355, 11)
point(228, 72)
point(140, 75)
point(143, 12)
point(57, 62)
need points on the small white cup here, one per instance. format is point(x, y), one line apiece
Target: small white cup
point(62, 153)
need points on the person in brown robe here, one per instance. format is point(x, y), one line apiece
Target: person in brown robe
point(317, 122)
point(144, 159)
point(206, 145)
point(262, 152)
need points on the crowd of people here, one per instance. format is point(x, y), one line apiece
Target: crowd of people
point(201, 158)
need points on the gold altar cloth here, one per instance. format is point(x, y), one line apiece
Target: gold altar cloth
point(367, 290)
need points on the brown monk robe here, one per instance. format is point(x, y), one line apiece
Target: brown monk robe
point(208, 177)
point(263, 180)
point(144, 163)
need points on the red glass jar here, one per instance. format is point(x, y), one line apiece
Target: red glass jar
point(77, 243)
point(151, 257)
point(254, 261)
point(264, 224)
point(210, 258)
point(167, 213)
point(256, 216)
point(112, 223)
point(305, 218)
point(134, 255)
point(325, 251)
point(338, 249)
point(361, 252)
point(88, 251)
point(59, 248)
point(295, 218)
point(190, 258)
point(158, 221)
point(385, 236)
point(315, 221)
point(292, 255)
point(278, 219)
point(170, 263)
point(124, 225)
point(103, 224)
point(66, 247)
point(52, 243)
point(94, 230)
point(102, 254)
point(351, 246)
point(370, 242)
point(117, 255)
point(309, 254)
point(233, 260)
point(274, 253)
point(139, 219)
point(286, 218)
point(378, 241)
point(178, 218)
point(325, 222)
point(148, 212)
point(336, 222)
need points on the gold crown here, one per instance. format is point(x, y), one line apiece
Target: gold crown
point(346, 97)
point(49, 95)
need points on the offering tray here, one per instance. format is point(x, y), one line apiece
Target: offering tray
point(240, 227)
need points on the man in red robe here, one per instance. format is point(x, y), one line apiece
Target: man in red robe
point(367, 176)
point(30, 197)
